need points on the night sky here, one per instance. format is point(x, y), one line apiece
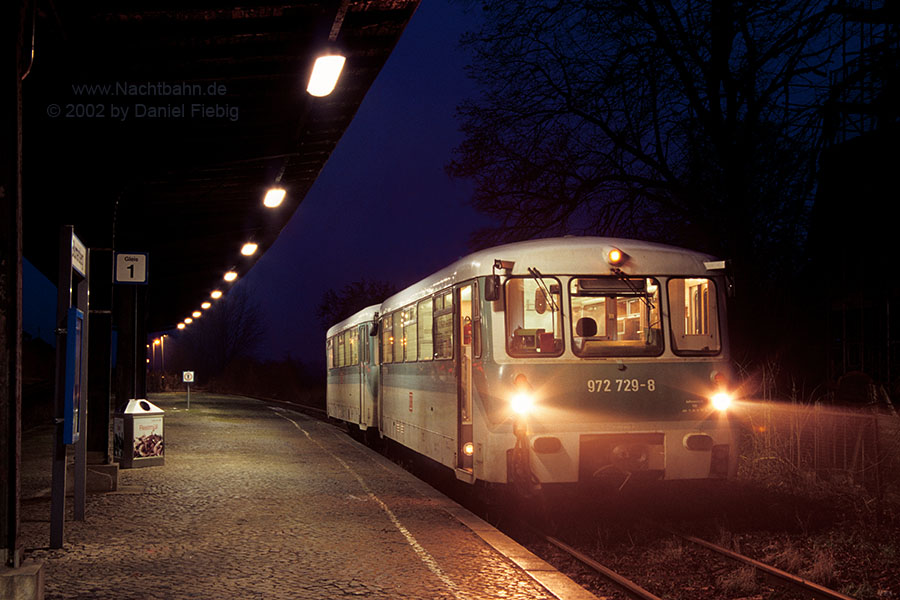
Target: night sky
point(382, 208)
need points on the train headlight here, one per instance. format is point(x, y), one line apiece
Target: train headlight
point(522, 402)
point(721, 401)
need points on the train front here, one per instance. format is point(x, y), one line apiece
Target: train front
point(615, 375)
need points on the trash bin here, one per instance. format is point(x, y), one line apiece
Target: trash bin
point(138, 435)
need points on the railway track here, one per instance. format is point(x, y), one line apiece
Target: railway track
point(784, 582)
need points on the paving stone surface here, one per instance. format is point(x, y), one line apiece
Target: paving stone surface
point(260, 503)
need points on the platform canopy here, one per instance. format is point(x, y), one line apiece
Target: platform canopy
point(159, 126)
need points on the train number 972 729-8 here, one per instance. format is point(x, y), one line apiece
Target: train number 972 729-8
point(620, 385)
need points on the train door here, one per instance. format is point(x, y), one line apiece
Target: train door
point(363, 345)
point(467, 315)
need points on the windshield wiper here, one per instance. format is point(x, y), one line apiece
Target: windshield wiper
point(645, 296)
point(536, 275)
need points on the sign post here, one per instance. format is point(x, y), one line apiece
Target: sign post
point(72, 310)
point(188, 377)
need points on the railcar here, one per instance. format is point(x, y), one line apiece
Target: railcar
point(567, 360)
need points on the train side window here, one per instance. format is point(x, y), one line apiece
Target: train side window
point(341, 350)
point(329, 352)
point(352, 346)
point(397, 338)
point(364, 343)
point(476, 322)
point(443, 325)
point(409, 333)
point(426, 325)
point(694, 316)
point(387, 339)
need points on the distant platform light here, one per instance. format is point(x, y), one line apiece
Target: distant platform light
point(325, 74)
point(274, 197)
point(230, 276)
point(181, 326)
point(205, 305)
point(188, 321)
point(215, 294)
point(249, 249)
point(196, 314)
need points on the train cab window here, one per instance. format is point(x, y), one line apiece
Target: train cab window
point(612, 316)
point(387, 339)
point(425, 327)
point(694, 320)
point(533, 316)
point(329, 352)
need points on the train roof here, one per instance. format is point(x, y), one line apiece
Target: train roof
point(565, 255)
point(366, 315)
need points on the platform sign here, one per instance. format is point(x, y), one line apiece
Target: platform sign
point(131, 267)
point(79, 256)
point(71, 422)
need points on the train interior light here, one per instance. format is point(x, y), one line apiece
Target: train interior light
point(325, 74)
point(469, 449)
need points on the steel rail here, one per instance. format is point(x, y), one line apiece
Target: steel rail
point(774, 574)
point(632, 589)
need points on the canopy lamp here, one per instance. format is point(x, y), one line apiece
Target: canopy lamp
point(326, 71)
point(215, 294)
point(274, 197)
point(230, 276)
point(249, 249)
point(205, 305)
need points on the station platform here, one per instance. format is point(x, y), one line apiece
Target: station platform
point(255, 501)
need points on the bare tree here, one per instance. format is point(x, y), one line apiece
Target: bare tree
point(232, 329)
point(336, 306)
point(686, 121)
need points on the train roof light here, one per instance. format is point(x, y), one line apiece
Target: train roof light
point(615, 256)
